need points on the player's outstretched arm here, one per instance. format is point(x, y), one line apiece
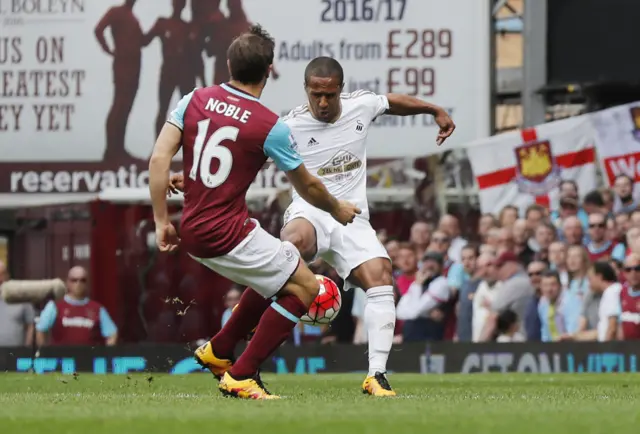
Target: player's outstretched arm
point(314, 192)
point(281, 146)
point(405, 105)
point(165, 149)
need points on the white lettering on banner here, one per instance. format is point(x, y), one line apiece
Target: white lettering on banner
point(80, 251)
point(77, 181)
point(78, 321)
point(506, 362)
point(63, 83)
point(623, 165)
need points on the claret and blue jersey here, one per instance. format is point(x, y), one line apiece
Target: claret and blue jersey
point(227, 136)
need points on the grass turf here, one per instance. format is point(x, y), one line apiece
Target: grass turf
point(479, 403)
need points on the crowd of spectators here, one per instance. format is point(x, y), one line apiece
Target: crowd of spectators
point(543, 275)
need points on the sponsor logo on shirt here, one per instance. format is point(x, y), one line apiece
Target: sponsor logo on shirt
point(340, 167)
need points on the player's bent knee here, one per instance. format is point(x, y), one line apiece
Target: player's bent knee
point(301, 233)
point(303, 284)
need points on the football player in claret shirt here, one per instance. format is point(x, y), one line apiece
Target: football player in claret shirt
point(226, 135)
point(76, 319)
point(630, 299)
point(331, 131)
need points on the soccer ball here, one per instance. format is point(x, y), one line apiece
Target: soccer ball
point(326, 306)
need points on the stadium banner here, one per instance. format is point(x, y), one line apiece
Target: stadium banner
point(86, 85)
point(432, 358)
point(526, 166)
point(618, 141)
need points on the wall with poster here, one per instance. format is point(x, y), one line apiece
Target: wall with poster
point(85, 84)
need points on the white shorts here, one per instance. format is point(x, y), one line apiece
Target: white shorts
point(342, 247)
point(260, 261)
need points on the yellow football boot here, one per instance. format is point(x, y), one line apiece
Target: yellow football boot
point(251, 388)
point(377, 386)
point(205, 358)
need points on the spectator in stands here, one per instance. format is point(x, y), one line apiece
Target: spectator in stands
point(450, 225)
point(578, 266)
point(508, 327)
point(572, 232)
point(558, 261)
point(598, 247)
point(569, 207)
point(558, 315)
point(505, 240)
point(407, 264)
point(545, 234)
point(493, 237)
point(440, 242)
point(16, 320)
point(515, 293)
point(531, 318)
point(464, 311)
point(486, 222)
point(484, 295)
point(613, 232)
point(594, 202)
point(521, 235)
point(608, 198)
point(634, 219)
point(76, 319)
point(425, 294)
point(508, 216)
point(534, 216)
point(420, 237)
point(231, 298)
point(623, 188)
point(392, 245)
point(486, 249)
point(623, 222)
point(568, 187)
point(630, 299)
point(461, 272)
point(601, 308)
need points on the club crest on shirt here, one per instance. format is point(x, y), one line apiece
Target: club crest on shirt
point(536, 170)
point(359, 127)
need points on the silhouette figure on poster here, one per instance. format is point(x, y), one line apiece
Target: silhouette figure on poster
point(221, 36)
point(127, 53)
point(174, 34)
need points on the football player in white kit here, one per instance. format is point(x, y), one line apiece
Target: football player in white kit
point(330, 132)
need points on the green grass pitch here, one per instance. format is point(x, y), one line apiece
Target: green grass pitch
point(332, 404)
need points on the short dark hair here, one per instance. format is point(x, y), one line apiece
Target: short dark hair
point(552, 274)
point(533, 207)
point(505, 320)
point(568, 181)
point(325, 67)
point(605, 270)
point(250, 55)
point(473, 247)
point(594, 198)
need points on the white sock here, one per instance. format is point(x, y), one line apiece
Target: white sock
point(380, 320)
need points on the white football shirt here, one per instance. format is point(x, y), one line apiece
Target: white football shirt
point(609, 306)
point(336, 153)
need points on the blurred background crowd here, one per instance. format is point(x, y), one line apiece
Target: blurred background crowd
point(562, 269)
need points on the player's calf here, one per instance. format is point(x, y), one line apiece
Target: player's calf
point(375, 277)
point(275, 326)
